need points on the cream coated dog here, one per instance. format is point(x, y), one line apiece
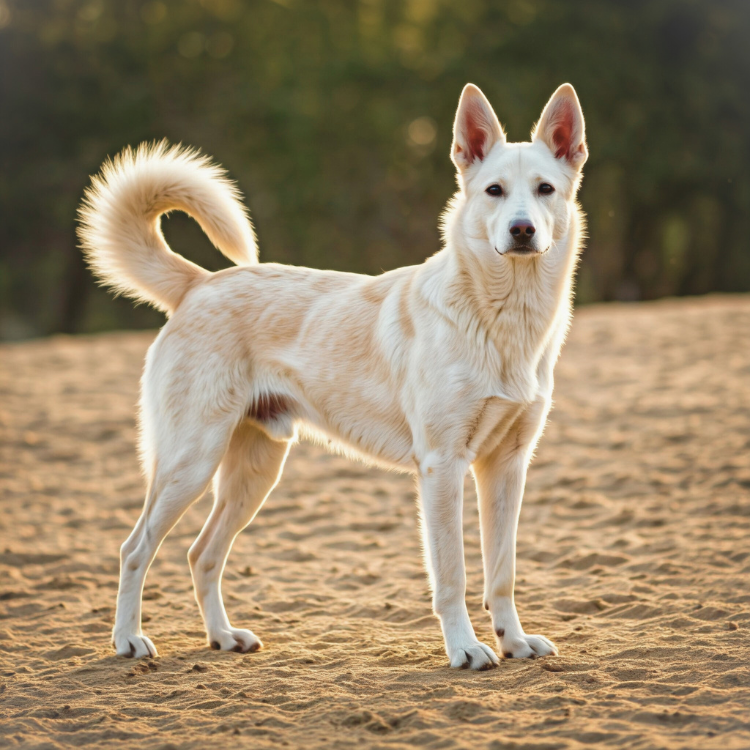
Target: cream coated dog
point(432, 369)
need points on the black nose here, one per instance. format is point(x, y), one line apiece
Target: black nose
point(522, 230)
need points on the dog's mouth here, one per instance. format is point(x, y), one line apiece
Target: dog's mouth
point(521, 251)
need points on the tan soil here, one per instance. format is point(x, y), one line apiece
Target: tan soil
point(633, 557)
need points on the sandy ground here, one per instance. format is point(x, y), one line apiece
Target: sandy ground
point(633, 558)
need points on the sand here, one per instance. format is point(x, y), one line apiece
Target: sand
point(632, 556)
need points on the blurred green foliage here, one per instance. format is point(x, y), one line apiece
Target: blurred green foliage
point(335, 118)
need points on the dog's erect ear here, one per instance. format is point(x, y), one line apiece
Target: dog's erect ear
point(561, 127)
point(476, 129)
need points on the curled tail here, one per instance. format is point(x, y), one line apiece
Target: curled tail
point(119, 221)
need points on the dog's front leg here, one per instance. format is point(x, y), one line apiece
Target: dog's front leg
point(500, 478)
point(441, 495)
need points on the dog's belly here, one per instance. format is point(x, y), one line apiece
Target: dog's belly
point(358, 415)
point(376, 435)
point(365, 420)
point(395, 453)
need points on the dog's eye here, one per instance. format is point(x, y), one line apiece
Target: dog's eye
point(494, 190)
point(546, 189)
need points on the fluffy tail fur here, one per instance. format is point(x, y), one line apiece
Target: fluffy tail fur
point(120, 229)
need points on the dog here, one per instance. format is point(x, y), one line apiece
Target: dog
point(434, 369)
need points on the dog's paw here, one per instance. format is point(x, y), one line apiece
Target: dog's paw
point(473, 655)
point(526, 646)
point(133, 646)
point(234, 639)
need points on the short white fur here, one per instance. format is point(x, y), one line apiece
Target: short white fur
point(435, 369)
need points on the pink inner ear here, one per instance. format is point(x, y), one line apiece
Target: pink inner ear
point(562, 134)
point(476, 132)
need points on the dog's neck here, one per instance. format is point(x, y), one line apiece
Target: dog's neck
point(514, 304)
point(497, 290)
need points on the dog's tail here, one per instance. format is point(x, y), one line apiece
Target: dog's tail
point(120, 228)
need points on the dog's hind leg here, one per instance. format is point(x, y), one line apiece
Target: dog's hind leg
point(249, 471)
point(183, 468)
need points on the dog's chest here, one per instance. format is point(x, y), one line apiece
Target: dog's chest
point(519, 354)
point(515, 378)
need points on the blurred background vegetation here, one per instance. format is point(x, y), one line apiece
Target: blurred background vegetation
point(335, 118)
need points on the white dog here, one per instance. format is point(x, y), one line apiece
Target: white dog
point(430, 369)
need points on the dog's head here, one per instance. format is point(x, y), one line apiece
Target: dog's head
point(518, 197)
